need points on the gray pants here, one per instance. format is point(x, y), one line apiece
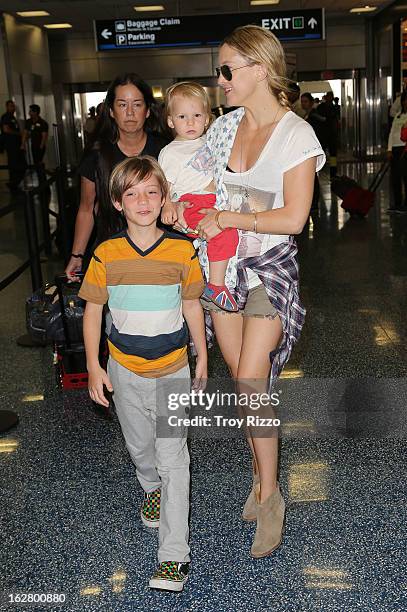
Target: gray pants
point(160, 461)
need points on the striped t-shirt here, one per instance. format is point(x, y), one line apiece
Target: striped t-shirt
point(144, 291)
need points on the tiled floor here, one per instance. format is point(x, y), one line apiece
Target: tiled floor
point(70, 499)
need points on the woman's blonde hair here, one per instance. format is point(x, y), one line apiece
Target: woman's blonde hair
point(188, 89)
point(134, 170)
point(259, 46)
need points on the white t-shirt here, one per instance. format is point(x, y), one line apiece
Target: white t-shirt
point(394, 135)
point(174, 160)
point(292, 142)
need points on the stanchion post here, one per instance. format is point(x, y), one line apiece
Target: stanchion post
point(32, 241)
point(61, 213)
point(43, 195)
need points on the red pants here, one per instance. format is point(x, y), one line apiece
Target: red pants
point(224, 245)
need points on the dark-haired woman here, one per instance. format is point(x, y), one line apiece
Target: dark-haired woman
point(125, 129)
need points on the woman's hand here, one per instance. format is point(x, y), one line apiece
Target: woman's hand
point(180, 223)
point(74, 268)
point(207, 227)
point(169, 213)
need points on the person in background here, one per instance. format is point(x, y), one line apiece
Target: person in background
point(395, 108)
point(327, 109)
point(318, 123)
point(36, 132)
point(125, 129)
point(396, 154)
point(311, 115)
point(403, 137)
point(90, 125)
point(338, 107)
point(317, 102)
point(294, 99)
point(11, 134)
point(93, 136)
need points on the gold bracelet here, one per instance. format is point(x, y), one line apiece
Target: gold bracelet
point(217, 220)
point(255, 223)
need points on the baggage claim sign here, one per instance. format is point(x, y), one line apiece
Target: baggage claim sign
point(208, 30)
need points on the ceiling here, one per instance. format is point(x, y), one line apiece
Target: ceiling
point(81, 13)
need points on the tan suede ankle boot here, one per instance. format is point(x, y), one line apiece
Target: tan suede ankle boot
point(249, 509)
point(270, 521)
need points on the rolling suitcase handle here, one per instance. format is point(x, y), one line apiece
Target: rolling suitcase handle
point(379, 176)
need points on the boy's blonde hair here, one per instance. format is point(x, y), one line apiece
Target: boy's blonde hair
point(188, 89)
point(259, 46)
point(135, 169)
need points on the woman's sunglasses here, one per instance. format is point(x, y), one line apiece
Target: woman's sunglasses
point(226, 71)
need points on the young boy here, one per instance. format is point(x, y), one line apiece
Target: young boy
point(151, 281)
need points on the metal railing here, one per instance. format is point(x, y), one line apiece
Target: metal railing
point(33, 197)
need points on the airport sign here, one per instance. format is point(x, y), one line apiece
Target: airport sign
point(205, 30)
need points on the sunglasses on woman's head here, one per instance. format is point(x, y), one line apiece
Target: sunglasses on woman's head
point(226, 71)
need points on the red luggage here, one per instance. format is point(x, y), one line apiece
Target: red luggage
point(356, 200)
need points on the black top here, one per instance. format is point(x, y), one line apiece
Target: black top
point(329, 111)
point(35, 131)
point(87, 167)
point(14, 137)
point(319, 124)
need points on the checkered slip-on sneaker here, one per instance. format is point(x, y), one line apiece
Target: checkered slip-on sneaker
point(150, 510)
point(170, 576)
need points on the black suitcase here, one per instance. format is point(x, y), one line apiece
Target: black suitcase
point(69, 352)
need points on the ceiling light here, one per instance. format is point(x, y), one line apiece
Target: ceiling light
point(262, 2)
point(363, 9)
point(57, 26)
point(33, 13)
point(153, 7)
point(157, 91)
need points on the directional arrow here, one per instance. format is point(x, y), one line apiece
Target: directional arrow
point(312, 22)
point(106, 33)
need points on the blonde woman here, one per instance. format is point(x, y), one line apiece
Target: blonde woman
point(264, 159)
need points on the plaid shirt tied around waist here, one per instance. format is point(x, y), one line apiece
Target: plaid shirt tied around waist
point(278, 271)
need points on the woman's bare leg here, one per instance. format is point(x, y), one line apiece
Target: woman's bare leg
point(260, 336)
point(229, 335)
